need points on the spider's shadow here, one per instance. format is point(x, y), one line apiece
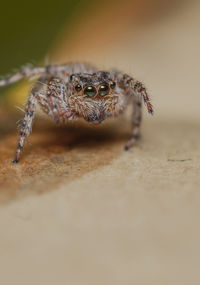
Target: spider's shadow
point(81, 134)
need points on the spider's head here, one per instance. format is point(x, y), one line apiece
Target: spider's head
point(93, 91)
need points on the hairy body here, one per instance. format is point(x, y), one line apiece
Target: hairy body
point(77, 90)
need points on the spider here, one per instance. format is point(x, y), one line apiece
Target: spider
point(78, 90)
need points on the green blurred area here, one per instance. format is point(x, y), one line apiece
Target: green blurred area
point(28, 28)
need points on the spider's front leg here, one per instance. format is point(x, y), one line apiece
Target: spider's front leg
point(56, 101)
point(137, 92)
point(26, 124)
point(54, 95)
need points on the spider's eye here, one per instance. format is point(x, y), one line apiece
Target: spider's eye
point(90, 91)
point(71, 77)
point(78, 87)
point(112, 85)
point(103, 90)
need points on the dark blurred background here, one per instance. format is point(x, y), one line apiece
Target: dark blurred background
point(28, 28)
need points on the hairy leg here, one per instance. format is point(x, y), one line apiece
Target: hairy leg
point(136, 88)
point(24, 73)
point(141, 91)
point(30, 71)
point(26, 124)
point(54, 95)
point(136, 91)
point(136, 121)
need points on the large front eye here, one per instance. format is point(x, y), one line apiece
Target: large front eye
point(103, 90)
point(90, 91)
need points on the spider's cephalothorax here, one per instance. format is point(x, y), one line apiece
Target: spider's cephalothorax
point(72, 91)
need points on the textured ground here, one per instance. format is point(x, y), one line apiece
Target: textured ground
point(108, 216)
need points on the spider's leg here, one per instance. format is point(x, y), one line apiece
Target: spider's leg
point(54, 96)
point(139, 89)
point(26, 124)
point(54, 107)
point(136, 121)
point(136, 91)
point(24, 73)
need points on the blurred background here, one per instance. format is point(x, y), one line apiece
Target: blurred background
point(113, 217)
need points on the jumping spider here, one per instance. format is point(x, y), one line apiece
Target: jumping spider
point(78, 90)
